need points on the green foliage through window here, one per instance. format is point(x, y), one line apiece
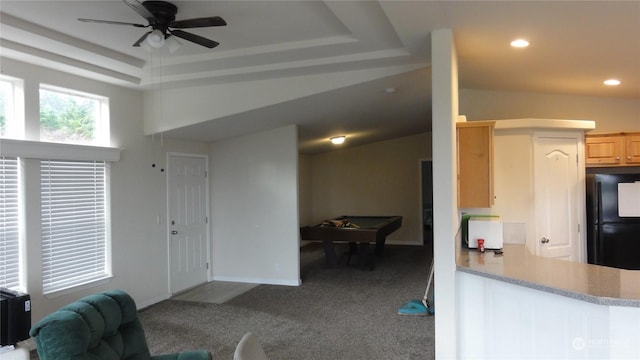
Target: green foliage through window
point(67, 118)
point(5, 95)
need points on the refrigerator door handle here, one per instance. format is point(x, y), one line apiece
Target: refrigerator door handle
point(598, 201)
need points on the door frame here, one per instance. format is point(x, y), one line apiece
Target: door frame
point(420, 184)
point(204, 157)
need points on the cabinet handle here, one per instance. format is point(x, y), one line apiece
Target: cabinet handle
point(544, 240)
point(629, 157)
point(617, 157)
point(173, 232)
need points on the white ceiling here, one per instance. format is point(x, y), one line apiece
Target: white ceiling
point(575, 45)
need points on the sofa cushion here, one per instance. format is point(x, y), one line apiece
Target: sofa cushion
point(99, 327)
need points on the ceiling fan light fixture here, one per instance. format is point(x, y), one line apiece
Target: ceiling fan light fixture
point(161, 17)
point(337, 140)
point(519, 43)
point(156, 39)
point(173, 44)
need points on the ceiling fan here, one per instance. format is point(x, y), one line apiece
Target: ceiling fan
point(161, 16)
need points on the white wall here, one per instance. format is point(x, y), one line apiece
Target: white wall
point(254, 201)
point(379, 179)
point(445, 218)
point(513, 181)
point(138, 195)
point(610, 114)
point(188, 106)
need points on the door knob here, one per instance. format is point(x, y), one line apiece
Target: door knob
point(173, 232)
point(544, 240)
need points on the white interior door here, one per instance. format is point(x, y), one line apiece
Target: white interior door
point(557, 201)
point(187, 221)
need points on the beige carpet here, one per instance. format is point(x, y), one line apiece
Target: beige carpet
point(337, 313)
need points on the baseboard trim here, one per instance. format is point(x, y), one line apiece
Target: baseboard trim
point(258, 280)
point(146, 303)
point(412, 243)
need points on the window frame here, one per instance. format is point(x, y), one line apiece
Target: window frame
point(25, 145)
point(102, 125)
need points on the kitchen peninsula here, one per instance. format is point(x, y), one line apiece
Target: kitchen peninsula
point(521, 306)
point(534, 307)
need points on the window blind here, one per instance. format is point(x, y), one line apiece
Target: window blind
point(9, 224)
point(74, 240)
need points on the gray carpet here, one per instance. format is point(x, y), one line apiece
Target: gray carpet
point(338, 313)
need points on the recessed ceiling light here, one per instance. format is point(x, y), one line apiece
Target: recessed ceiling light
point(520, 43)
point(612, 82)
point(337, 140)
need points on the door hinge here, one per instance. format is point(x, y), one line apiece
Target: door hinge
point(206, 174)
point(206, 219)
point(207, 266)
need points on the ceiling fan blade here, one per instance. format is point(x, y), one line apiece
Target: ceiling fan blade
point(143, 38)
point(194, 38)
point(111, 22)
point(199, 22)
point(140, 9)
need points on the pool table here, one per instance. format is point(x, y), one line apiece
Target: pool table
point(364, 230)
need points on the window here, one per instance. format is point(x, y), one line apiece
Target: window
point(6, 100)
point(11, 108)
point(74, 223)
point(73, 117)
point(73, 188)
point(9, 224)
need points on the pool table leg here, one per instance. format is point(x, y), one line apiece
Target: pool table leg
point(330, 253)
point(363, 251)
point(380, 244)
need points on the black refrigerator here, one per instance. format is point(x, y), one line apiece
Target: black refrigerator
point(612, 240)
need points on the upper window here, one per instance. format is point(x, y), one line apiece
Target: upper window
point(11, 108)
point(72, 117)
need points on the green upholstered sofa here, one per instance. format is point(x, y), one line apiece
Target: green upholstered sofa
point(99, 326)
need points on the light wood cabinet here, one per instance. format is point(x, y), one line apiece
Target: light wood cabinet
point(632, 143)
point(475, 164)
point(616, 149)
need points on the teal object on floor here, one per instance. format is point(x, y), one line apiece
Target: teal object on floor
point(100, 326)
point(420, 307)
point(416, 307)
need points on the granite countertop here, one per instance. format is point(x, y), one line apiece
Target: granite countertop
point(593, 283)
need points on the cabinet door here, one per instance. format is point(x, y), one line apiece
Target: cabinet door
point(557, 197)
point(604, 150)
point(475, 164)
point(632, 155)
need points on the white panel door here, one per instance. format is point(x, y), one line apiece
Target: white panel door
point(557, 202)
point(187, 222)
